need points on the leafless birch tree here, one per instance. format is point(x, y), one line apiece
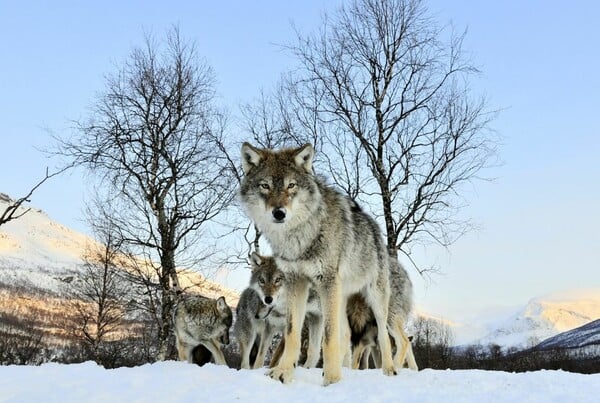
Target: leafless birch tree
point(98, 295)
point(16, 208)
point(387, 91)
point(152, 136)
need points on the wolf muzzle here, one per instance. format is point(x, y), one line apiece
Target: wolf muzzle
point(279, 214)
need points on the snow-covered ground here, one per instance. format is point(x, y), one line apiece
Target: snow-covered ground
point(181, 382)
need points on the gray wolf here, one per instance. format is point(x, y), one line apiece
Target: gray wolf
point(261, 311)
point(255, 305)
point(320, 239)
point(364, 328)
point(202, 321)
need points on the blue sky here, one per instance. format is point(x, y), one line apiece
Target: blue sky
point(540, 61)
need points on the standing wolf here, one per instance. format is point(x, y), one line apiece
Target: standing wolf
point(202, 321)
point(321, 239)
point(253, 321)
point(363, 326)
point(261, 312)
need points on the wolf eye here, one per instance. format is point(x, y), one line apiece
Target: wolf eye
point(261, 281)
point(265, 186)
point(291, 185)
point(278, 281)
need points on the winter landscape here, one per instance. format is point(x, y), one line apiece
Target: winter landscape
point(433, 161)
point(38, 254)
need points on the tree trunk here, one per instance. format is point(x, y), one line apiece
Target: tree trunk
point(164, 331)
point(390, 232)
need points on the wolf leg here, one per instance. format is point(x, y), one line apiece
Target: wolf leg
point(379, 301)
point(346, 343)
point(265, 342)
point(297, 296)
point(402, 343)
point(331, 301)
point(188, 354)
point(182, 350)
point(315, 336)
point(277, 353)
point(364, 362)
point(358, 354)
point(410, 356)
point(376, 356)
point(245, 349)
point(215, 350)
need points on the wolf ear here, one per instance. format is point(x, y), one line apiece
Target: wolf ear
point(255, 260)
point(251, 157)
point(304, 157)
point(221, 304)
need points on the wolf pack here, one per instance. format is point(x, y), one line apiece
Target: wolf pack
point(330, 289)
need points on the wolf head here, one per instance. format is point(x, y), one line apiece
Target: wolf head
point(279, 188)
point(204, 318)
point(267, 280)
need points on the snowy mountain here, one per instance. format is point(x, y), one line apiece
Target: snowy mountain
point(545, 317)
point(585, 338)
point(39, 258)
point(37, 252)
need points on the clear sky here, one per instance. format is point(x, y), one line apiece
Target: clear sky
point(541, 62)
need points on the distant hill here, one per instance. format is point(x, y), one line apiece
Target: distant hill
point(584, 339)
point(38, 252)
point(545, 317)
point(40, 257)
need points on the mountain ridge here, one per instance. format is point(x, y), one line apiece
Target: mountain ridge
point(36, 251)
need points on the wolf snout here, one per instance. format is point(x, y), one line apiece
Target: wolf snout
point(279, 214)
point(268, 299)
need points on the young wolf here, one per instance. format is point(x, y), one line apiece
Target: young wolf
point(202, 321)
point(260, 313)
point(321, 239)
point(256, 304)
point(364, 328)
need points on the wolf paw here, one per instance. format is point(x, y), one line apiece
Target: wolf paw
point(390, 371)
point(281, 375)
point(310, 363)
point(330, 378)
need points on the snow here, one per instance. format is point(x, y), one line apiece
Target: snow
point(586, 335)
point(182, 382)
point(544, 317)
point(38, 252)
point(39, 240)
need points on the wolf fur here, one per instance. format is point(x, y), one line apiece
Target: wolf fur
point(320, 239)
point(253, 322)
point(261, 311)
point(364, 328)
point(202, 321)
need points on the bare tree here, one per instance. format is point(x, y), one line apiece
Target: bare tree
point(390, 101)
point(432, 342)
point(98, 295)
point(22, 342)
point(14, 210)
point(152, 137)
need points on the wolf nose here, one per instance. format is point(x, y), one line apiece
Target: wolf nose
point(268, 299)
point(278, 214)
